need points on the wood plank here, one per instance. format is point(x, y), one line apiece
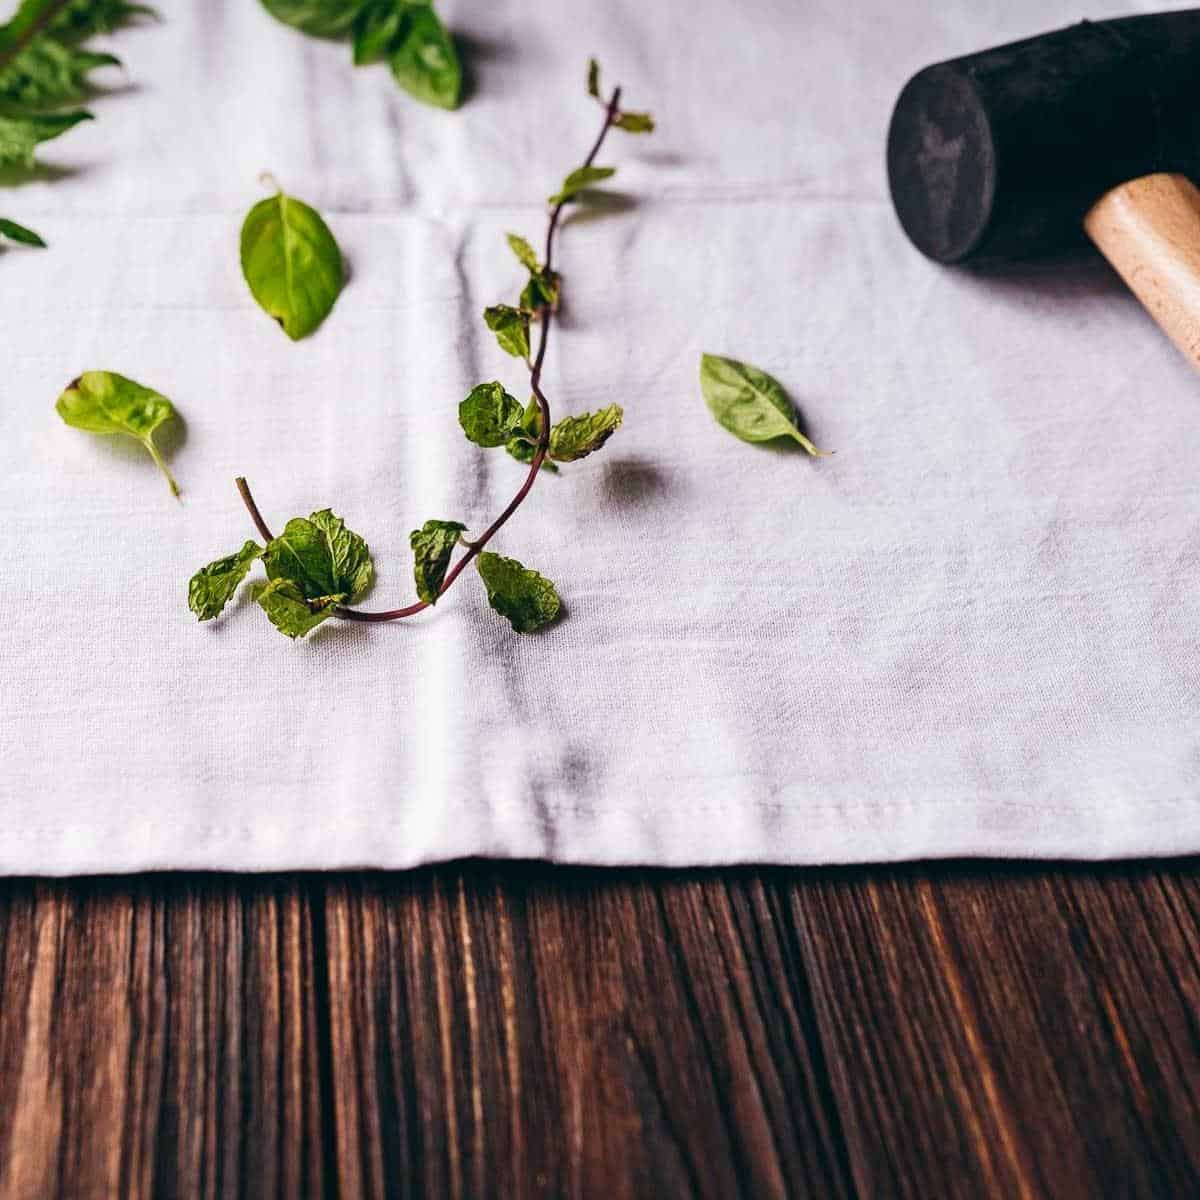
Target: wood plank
point(1011, 1032)
point(520, 1030)
point(157, 1038)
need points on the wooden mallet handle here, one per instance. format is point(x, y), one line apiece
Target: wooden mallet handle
point(1149, 229)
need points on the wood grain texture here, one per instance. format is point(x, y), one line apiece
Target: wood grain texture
point(519, 1030)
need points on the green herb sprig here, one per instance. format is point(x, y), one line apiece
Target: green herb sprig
point(317, 568)
point(44, 69)
point(408, 34)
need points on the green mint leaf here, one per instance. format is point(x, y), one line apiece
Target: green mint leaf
point(526, 598)
point(83, 18)
point(524, 451)
point(577, 437)
point(326, 561)
point(18, 233)
point(593, 78)
point(291, 262)
point(288, 610)
point(489, 416)
point(432, 546)
point(20, 136)
point(212, 587)
point(511, 327)
point(320, 18)
point(377, 29)
point(425, 63)
point(580, 179)
point(531, 419)
point(48, 73)
point(635, 122)
point(525, 253)
point(542, 291)
point(748, 402)
point(104, 402)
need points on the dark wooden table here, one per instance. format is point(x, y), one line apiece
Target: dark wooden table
point(516, 1030)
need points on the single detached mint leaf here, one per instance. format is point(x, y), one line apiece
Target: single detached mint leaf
point(748, 402)
point(578, 180)
point(425, 63)
point(432, 546)
point(18, 233)
point(212, 587)
point(321, 18)
point(593, 78)
point(104, 402)
point(328, 562)
point(489, 415)
point(291, 262)
point(376, 29)
point(635, 122)
point(526, 598)
point(511, 327)
point(47, 73)
point(288, 610)
point(577, 437)
point(525, 253)
point(20, 136)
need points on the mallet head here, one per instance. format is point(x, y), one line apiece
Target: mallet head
point(1000, 154)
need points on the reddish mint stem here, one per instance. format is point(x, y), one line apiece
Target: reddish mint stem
point(546, 315)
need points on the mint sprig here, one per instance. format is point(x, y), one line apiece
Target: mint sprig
point(408, 34)
point(318, 569)
point(45, 70)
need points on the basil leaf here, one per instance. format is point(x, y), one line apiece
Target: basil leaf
point(577, 437)
point(635, 122)
point(328, 562)
point(18, 233)
point(289, 612)
point(212, 587)
point(593, 78)
point(526, 598)
point(578, 180)
point(425, 63)
point(321, 18)
point(511, 327)
point(376, 29)
point(748, 402)
point(489, 415)
point(48, 73)
point(104, 402)
point(291, 262)
point(20, 136)
point(432, 546)
point(525, 253)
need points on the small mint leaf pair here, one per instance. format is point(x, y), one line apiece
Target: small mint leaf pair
point(630, 122)
point(526, 599)
point(313, 566)
point(491, 417)
point(543, 288)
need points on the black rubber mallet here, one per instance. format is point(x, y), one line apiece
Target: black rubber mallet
point(1095, 128)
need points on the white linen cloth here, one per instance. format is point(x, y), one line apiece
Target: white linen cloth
point(972, 632)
